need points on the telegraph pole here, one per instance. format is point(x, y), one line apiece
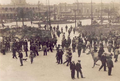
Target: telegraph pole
point(91, 14)
point(39, 11)
point(101, 12)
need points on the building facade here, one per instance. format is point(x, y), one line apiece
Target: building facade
point(60, 11)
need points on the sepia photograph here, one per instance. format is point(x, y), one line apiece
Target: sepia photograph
point(59, 40)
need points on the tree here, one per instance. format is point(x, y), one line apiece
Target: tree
point(112, 13)
point(21, 14)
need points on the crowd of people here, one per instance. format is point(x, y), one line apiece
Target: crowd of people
point(85, 41)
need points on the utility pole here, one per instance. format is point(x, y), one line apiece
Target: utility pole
point(101, 12)
point(75, 14)
point(39, 11)
point(91, 14)
point(49, 12)
point(75, 18)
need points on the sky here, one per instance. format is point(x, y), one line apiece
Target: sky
point(61, 1)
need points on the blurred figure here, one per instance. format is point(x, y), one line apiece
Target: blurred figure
point(110, 65)
point(78, 69)
point(72, 68)
point(31, 56)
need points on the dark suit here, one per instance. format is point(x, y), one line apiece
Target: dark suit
point(60, 54)
point(21, 56)
point(103, 60)
point(72, 68)
point(78, 69)
point(110, 66)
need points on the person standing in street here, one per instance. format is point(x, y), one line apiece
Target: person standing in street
point(78, 69)
point(3, 49)
point(103, 60)
point(26, 49)
point(68, 57)
point(110, 65)
point(116, 53)
point(31, 56)
point(60, 55)
point(66, 27)
point(21, 57)
point(44, 49)
point(100, 52)
point(72, 68)
point(79, 47)
point(73, 46)
point(14, 49)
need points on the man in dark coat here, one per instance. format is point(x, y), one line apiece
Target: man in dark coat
point(21, 57)
point(60, 55)
point(100, 52)
point(78, 69)
point(66, 27)
point(26, 49)
point(58, 33)
point(110, 65)
point(79, 48)
point(103, 60)
point(72, 68)
point(73, 46)
point(14, 49)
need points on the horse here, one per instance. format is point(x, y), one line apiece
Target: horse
point(96, 58)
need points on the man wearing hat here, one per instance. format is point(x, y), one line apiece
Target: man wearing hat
point(78, 69)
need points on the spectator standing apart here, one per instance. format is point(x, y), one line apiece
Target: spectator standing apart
point(72, 68)
point(78, 69)
point(110, 65)
point(31, 56)
point(21, 57)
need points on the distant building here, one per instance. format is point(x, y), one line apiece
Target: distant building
point(60, 11)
